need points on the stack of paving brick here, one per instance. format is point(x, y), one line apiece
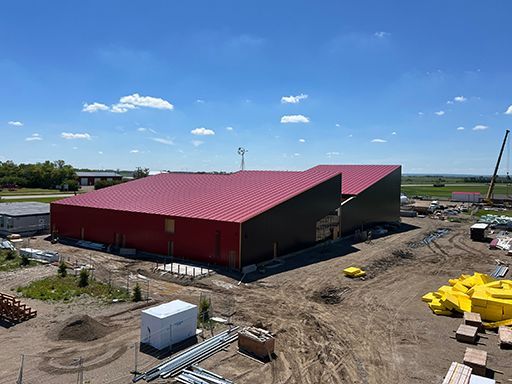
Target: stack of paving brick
point(354, 272)
point(478, 293)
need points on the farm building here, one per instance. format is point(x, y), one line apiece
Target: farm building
point(90, 178)
point(370, 194)
point(234, 219)
point(26, 218)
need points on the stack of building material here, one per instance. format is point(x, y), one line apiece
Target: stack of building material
point(505, 335)
point(479, 293)
point(198, 375)
point(477, 360)
point(458, 374)
point(354, 272)
point(39, 255)
point(11, 309)
point(6, 244)
point(466, 334)
point(481, 380)
point(474, 320)
point(256, 341)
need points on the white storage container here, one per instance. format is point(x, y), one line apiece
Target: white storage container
point(168, 324)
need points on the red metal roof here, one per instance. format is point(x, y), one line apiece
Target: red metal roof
point(356, 178)
point(231, 197)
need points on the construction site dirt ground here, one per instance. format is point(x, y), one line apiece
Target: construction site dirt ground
point(329, 328)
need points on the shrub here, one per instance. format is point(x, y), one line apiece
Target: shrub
point(83, 278)
point(10, 255)
point(137, 293)
point(24, 261)
point(204, 309)
point(62, 272)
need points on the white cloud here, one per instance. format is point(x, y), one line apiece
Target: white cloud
point(75, 148)
point(330, 154)
point(393, 133)
point(197, 143)
point(350, 135)
point(20, 124)
point(134, 151)
point(293, 99)
point(200, 101)
point(439, 113)
point(379, 141)
point(296, 154)
point(302, 140)
point(202, 132)
point(338, 125)
point(420, 113)
point(163, 141)
point(294, 119)
point(122, 107)
point(509, 111)
point(449, 102)
point(72, 136)
point(229, 128)
point(381, 34)
point(100, 152)
point(34, 137)
point(143, 129)
point(459, 99)
point(460, 128)
point(480, 127)
point(94, 107)
point(146, 101)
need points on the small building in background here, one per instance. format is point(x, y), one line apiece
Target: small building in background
point(26, 219)
point(467, 197)
point(90, 178)
point(168, 324)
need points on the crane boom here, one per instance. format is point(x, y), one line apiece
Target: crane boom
point(493, 178)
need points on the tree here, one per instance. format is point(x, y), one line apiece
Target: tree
point(139, 173)
point(62, 272)
point(105, 183)
point(83, 278)
point(137, 293)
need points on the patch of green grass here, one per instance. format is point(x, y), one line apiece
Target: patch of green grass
point(29, 191)
point(7, 264)
point(56, 288)
point(36, 199)
point(446, 192)
point(483, 212)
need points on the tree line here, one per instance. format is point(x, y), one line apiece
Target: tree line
point(47, 175)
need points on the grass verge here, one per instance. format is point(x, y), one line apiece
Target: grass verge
point(58, 288)
point(446, 192)
point(9, 264)
point(34, 199)
point(483, 212)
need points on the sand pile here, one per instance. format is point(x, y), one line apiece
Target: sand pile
point(79, 328)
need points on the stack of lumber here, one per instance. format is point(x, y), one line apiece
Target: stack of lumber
point(479, 293)
point(11, 309)
point(256, 341)
point(354, 272)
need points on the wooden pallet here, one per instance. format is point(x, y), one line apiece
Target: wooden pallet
point(13, 310)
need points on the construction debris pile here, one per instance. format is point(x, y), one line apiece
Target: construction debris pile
point(496, 220)
point(479, 293)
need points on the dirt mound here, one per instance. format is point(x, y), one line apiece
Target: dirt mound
point(397, 257)
point(330, 295)
point(79, 328)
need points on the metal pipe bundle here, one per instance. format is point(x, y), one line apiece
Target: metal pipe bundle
point(193, 355)
point(201, 376)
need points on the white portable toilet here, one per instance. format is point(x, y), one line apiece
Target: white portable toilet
point(168, 324)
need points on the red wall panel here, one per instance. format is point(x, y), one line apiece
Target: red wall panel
point(193, 239)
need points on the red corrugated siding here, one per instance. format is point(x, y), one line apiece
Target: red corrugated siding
point(193, 239)
point(235, 197)
point(357, 178)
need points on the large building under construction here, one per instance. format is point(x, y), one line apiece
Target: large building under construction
point(233, 220)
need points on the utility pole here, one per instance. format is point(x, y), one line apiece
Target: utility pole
point(20, 376)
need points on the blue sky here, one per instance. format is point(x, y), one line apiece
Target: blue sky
point(182, 84)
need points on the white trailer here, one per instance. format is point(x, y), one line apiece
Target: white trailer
point(168, 324)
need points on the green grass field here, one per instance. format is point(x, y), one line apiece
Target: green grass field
point(36, 199)
point(29, 191)
point(446, 192)
point(58, 288)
